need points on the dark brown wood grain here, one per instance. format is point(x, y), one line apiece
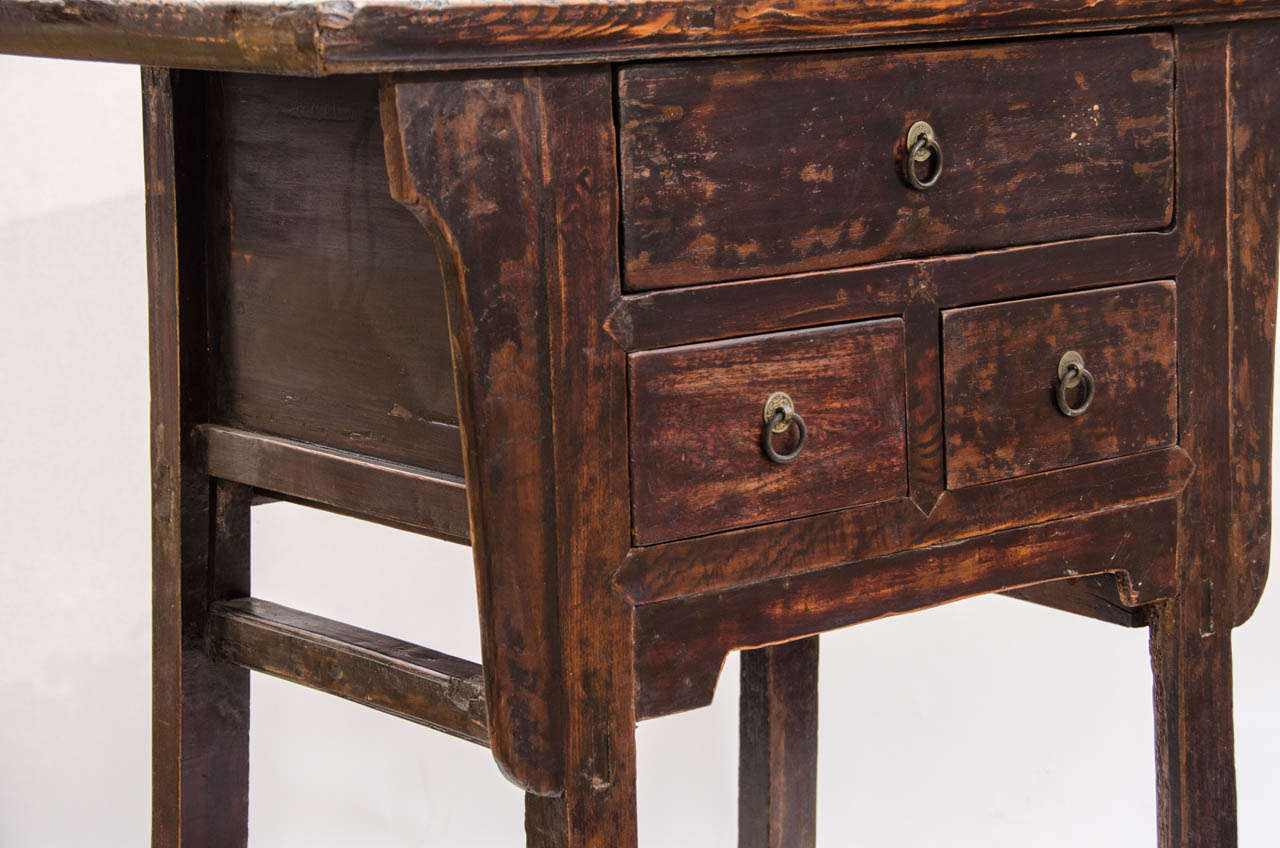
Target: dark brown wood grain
point(1000, 375)
point(778, 746)
point(697, 426)
point(1075, 139)
point(726, 560)
point(704, 313)
point(200, 530)
point(337, 36)
point(1093, 596)
point(589, 390)
point(362, 288)
point(1190, 642)
point(405, 680)
point(401, 496)
point(329, 321)
point(462, 155)
point(1255, 254)
point(681, 643)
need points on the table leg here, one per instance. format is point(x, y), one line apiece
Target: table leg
point(778, 753)
point(1195, 750)
point(200, 528)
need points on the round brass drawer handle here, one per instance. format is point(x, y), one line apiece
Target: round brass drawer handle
point(779, 416)
point(922, 148)
point(1072, 373)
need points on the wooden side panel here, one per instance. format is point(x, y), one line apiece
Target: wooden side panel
point(465, 155)
point(328, 311)
point(1041, 141)
point(200, 531)
point(1000, 376)
point(1254, 256)
point(697, 461)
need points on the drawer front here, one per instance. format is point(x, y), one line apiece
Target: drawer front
point(698, 463)
point(753, 167)
point(1001, 368)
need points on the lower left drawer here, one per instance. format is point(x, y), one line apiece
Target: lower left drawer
point(700, 441)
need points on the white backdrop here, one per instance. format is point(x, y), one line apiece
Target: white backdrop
point(985, 723)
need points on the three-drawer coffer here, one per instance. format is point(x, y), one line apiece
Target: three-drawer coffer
point(754, 167)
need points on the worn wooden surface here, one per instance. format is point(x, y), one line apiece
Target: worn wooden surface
point(1093, 596)
point(1255, 254)
point(463, 158)
point(1190, 637)
point(697, 461)
point(311, 37)
point(401, 496)
point(778, 746)
point(723, 561)
point(328, 316)
point(1000, 374)
point(1075, 139)
point(681, 643)
point(425, 686)
point(278, 263)
point(590, 396)
point(200, 530)
point(515, 177)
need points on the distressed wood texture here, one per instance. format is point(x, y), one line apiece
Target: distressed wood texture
point(328, 314)
point(1075, 139)
point(778, 747)
point(466, 158)
point(401, 496)
point(442, 692)
point(697, 425)
point(1000, 375)
point(1191, 634)
point(516, 178)
point(200, 530)
point(1254, 255)
point(316, 37)
point(1099, 596)
point(681, 643)
point(723, 561)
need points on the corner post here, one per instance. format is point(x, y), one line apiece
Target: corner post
point(200, 527)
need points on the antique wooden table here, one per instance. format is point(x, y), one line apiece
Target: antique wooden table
point(741, 321)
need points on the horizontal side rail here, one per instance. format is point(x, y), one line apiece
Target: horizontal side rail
point(410, 498)
point(406, 680)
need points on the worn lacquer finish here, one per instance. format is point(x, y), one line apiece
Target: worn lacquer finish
point(318, 37)
point(1000, 375)
point(1075, 138)
point(318, 338)
point(697, 457)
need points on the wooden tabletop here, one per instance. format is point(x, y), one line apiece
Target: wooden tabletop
point(319, 37)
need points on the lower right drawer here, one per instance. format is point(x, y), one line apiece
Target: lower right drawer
point(1048, 382)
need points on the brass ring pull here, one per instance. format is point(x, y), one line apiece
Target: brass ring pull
point(1072, 373)
point(779, 416)
point(922, 147)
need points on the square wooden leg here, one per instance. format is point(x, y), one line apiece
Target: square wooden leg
point(200, 528)
point(1195, 748)
point(778, 753)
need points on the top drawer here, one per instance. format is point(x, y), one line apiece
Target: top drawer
point(754, 167)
